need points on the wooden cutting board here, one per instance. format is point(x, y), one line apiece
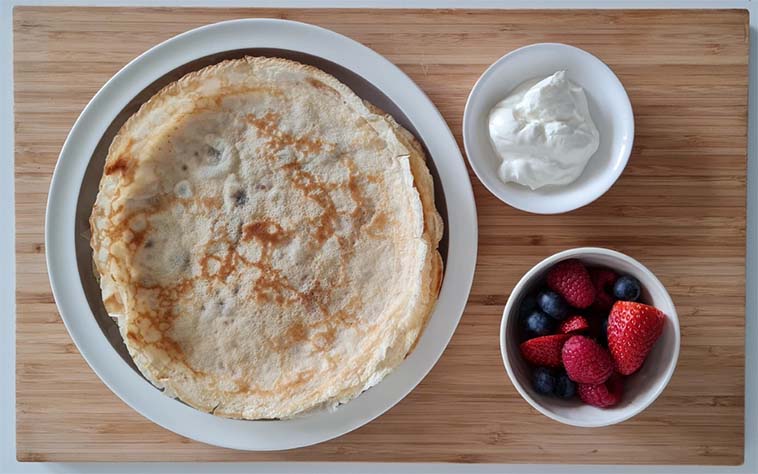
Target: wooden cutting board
point(679, 208)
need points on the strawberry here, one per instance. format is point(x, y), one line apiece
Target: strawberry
point(633, 329)
point(586, 361)
point(603, 280)
point(602, 395)
point(544, 351)
point(573, 324)
point(571, 280)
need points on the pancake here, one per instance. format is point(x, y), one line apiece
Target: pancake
point(266, 240)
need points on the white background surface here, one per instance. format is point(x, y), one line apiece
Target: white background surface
point(8, 463)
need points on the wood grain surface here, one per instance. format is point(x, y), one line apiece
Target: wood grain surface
point(679, 207)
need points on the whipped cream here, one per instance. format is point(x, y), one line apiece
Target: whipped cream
point(543, 132)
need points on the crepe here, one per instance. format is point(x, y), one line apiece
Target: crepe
point(266, 240)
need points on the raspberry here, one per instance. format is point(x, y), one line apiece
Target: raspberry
point(586, 361)
point(602, 395)
point(571, 280)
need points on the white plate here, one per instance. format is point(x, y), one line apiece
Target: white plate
point(74, 183)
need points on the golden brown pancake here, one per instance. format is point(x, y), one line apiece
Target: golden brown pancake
point(266, 239)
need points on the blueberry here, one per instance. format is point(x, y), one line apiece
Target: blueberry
point(564, 386)
point(528, 305)
point(543, 380)
point(627, 288)
point(538, 324)
point(553, 304)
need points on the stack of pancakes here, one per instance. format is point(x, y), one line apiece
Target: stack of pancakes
point(266, 240)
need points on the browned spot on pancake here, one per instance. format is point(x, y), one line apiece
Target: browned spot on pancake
point(266, 125)
point(123, 233)
point(216, 102)
point(225, 261)
point(377, 225)
point(121, 165)
point(323, 226)
point(124, 164)
point(301, 378)
point(170, 346)
point(346, 315)
point(321, 86)
point(362, 210)
point(359, 212)
point(272, 285)
point(161, 321)
point(138, 238)
point(169, 295)
point(296, 333)
point(211, 203)
point(355, 191)
point(242, 385)
point(324, 340)
point(315, 299)
point(265, 231)
point(277, 140)
point(309, 146)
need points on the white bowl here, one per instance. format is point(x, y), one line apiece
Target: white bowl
point(640, 389)
point(609, 106)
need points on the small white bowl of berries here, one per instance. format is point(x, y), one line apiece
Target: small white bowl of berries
point(589, 337)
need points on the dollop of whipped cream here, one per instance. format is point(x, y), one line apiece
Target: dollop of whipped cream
point(543, 132)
